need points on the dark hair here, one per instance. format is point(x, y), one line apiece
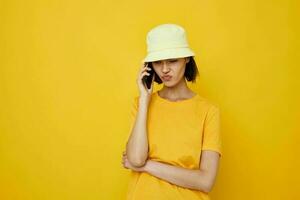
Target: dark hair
point(190, 73)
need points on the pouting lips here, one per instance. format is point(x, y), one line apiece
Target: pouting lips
point(166, 78)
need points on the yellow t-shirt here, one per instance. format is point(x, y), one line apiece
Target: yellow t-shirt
point(177, 132)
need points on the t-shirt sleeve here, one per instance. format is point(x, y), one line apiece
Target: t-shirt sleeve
point(212, 131)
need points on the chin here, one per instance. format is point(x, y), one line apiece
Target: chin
point(169, 84)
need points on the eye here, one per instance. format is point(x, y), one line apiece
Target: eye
point(173, 61)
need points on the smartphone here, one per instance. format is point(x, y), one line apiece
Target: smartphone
point(147, 79)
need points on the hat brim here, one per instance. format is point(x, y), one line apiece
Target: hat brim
point(168, 53)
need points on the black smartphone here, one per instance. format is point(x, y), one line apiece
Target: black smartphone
point(147, 79)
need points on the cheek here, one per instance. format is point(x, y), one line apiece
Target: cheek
point(156, 70)
point(180, 72)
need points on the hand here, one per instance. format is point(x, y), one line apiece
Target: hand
point(144, 91)
point(126, 164)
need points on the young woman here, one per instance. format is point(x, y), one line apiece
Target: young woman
point(174, 147)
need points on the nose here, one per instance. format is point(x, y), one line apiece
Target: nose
point(165, 68)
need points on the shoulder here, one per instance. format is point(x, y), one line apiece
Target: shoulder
point(207, 102)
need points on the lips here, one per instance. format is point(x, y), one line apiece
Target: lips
point(166, 78)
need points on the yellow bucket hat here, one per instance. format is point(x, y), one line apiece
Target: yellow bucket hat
point(167, 41)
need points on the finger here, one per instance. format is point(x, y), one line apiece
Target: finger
point(143, 74)
point(143, 65)
point(141, 77)
point(145, 69)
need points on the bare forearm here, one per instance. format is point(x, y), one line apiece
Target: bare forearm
point(137, 145)
point(188, 178)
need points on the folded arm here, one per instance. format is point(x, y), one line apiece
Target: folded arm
point(199, 179)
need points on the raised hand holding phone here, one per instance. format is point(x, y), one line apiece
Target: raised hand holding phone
point(145, 80)
point(148, 79)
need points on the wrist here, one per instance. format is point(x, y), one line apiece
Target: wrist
point(144, 98)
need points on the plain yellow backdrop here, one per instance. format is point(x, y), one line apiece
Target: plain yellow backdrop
point(68, 77)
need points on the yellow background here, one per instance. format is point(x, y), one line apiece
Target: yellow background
point(68, 75)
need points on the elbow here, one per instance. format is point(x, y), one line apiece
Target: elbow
point(204, 188)
point(210, 185)
point(205, 184)
point(207, 189)
point(136, 159)
point(137, 162)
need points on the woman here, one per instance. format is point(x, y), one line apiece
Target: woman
point(174, 146)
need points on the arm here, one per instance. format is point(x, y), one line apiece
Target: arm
point(137, 144)
point(199, 179)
